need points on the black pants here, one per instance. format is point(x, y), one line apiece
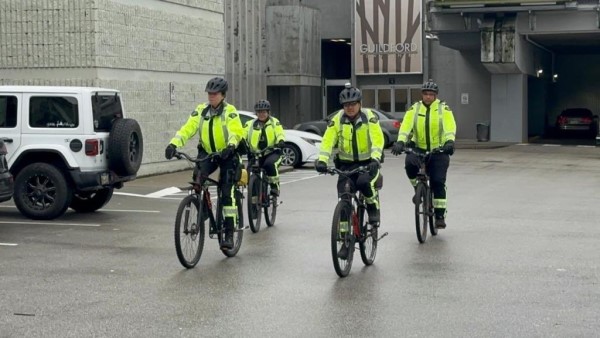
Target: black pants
point(437, 168)
point(228, 177)
point(365, 183)
point(270, 163)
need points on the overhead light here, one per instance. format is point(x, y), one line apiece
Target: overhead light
point(554, 77)
point(349, 43)
point(539, 72)
point(337, 40)
point(431, 36)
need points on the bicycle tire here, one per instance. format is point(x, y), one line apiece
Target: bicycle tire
point(342, 213)
point(368, 241)
point(421, 213)
point(254, 203)
point(432, 229)
point(238, 234)
point(270, 215)
point(187, 205)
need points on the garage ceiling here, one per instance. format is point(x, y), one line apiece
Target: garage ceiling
point(579, 43)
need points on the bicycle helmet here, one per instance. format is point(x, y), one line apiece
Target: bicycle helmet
point(216, 84)
point(350, 94)
point(430, 86)
point(262, 105)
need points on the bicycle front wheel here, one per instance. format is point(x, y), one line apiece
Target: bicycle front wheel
point(342, 236)
point(238, 233)
point(270, 207)
point(368, 241)
point(421, 212)
point(254, 203)
point(189, 231)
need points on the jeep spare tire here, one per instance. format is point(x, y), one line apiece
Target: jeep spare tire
point(125, 147)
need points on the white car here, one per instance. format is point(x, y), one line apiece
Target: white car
point(301, 146)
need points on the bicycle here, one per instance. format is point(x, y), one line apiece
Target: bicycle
point(260, 194)
point(349, 225)
point(197, 208)
point(423, 199)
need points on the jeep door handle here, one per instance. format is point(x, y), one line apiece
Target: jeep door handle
point(7, 140)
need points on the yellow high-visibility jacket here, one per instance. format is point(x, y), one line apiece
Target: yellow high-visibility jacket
point(216, 131)
point(431, 126)
point(358, 140)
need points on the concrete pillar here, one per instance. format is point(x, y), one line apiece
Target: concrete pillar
point(509, 108)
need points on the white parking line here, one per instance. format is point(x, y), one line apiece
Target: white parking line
point(8, 244)
point(51, 223)
point(139, 211)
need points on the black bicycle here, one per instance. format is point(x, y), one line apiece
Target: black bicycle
point(260, 199)
point(197, 208)
point(350, 226)
point(423, 199)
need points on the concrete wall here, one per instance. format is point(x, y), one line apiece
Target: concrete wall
point(509, 108)
point(138, 47)
point(336, 17)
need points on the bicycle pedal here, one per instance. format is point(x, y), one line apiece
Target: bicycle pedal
point(383, 235)
point(244, 228)
point(211, 236)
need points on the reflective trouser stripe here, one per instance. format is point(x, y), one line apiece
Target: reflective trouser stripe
point(373, 199)
point(439, 203)
point(230, 210)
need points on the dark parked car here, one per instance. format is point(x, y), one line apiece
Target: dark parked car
point(389, 126)
point(6, 178)
point(577, 120)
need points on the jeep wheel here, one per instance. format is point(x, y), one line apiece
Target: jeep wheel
point(125, 147)
point(42, 192)
point(90, 201)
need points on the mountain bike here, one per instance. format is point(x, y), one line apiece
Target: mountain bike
point(423, 199)
point(196, 209)
point(350, 225)
point(259, 193)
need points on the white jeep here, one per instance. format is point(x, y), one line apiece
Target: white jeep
point(67, 147)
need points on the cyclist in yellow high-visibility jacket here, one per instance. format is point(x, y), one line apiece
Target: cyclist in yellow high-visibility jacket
point(262, 132)
point(220, 130)
point(359, 139)
point(432, 124)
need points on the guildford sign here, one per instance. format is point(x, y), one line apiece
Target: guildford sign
point(387, 37)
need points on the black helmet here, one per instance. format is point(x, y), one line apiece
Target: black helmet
point(430, 86)
point(216, 84)
point(350, 94)
point(262, 105)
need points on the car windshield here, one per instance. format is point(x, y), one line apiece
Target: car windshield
point(577, 113)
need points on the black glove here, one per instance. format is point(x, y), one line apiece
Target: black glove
point(280, 144)
point(449, 147)
point(227, 152)
point(170, 151)
point(373, 167)
point(321, 167)
point(398, 148)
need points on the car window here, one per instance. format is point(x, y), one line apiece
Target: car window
point(8, 111)
point(245, 118)
point(577, 113)
point(105, 109)
point(53, 112)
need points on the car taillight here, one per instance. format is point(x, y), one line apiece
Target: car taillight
point(92, 147)
point(562, 120)
point(586, 119)
point(397, 124)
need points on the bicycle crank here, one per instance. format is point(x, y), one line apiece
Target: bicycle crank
point(383, 235)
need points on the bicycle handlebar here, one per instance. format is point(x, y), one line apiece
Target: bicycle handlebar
point(211, 156)
point(438, 150)
point(359, 170)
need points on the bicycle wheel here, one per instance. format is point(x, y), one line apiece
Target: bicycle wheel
point(421, 212)
point(189, 231)
point(238, 234)
point(341, 234)
point(432, 228)
point(368, 241)
point(254, 203)
point(270, 206)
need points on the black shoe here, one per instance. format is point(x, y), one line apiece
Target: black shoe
point(415, 199)
point(373, 213)
point(343, 252)
point(275, 192)
point(227, 243)
point(440, 223)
